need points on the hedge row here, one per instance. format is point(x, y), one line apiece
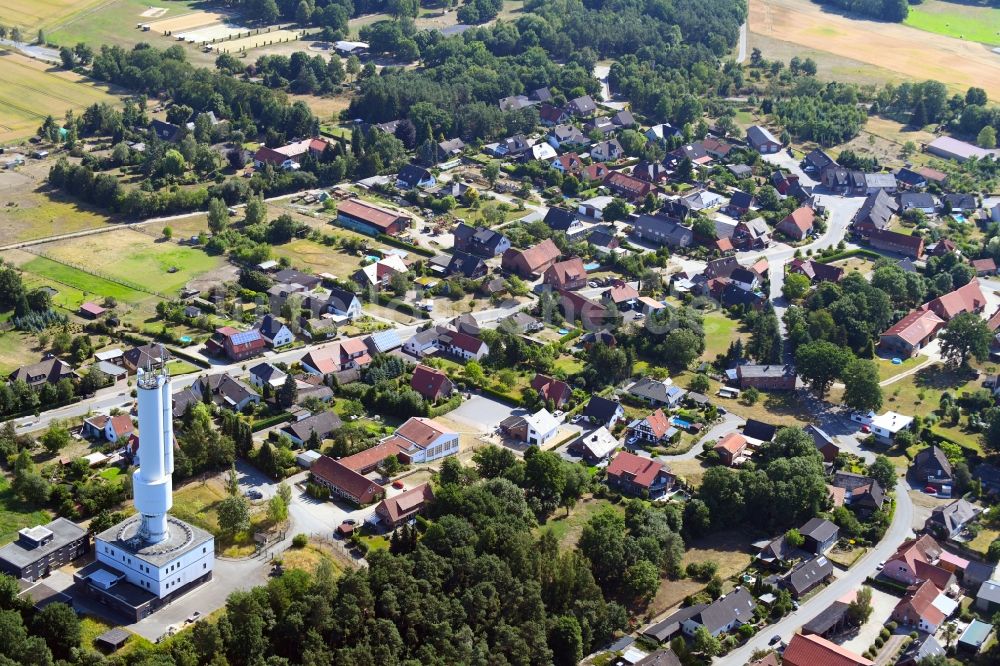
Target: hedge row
point(260, 424)
point(847, 254)
point(390, 240)
point(389, 302)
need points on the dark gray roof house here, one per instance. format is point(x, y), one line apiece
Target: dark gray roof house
point(817, 160)
point(876, 211)
point(560, 219)
point(961, 202)
point(323, 424)
point(662, 231)
point(603, 411)
point(820, 531)
point(949, 520)
point(923, 201)
point(666, 629)
point(733, 609)
point(808, 575)
point(931, 465)
point(755, 429)
point(581, 106)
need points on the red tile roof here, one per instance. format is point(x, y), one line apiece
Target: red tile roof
point(122, 424)
point(987, 264)
point(92, 309)
point(552, 389)
point(994, 322)
point(421, 431)
point(733, 443)
point(340, 476)
point(968, 298)
point(801, 219)
point(658, 423)
point(377, 217)
point(622, 293)
point(919, 603)
point(428, 382)
point(642, 470)
point(565, 272)
point(812, 650)
point(405, 504)
point(916, 326)
point(538, 255)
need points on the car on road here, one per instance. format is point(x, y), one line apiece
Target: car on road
point(774, 639)
point(398, 485)
point(254, 494)
point(880, 566)
point(193, 617)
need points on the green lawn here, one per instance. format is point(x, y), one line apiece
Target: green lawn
point(16, 349)
point(886, 369)
point(567, 529)
point(179, 367)
point(136, 258)
point(15, 514)
point(115, 23)
point(954, 19)
point(720, 330)
point(81, 284)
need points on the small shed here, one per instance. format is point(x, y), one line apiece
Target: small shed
point(305, 459)
point(113, 639)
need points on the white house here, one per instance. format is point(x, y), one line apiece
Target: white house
point(542, 427)
point(344, 303)
point(606, 151)
point(274, 331)
point(265, 373)
point(884, 426)
point(423, 342)
point(594, 207)
point(424, 440)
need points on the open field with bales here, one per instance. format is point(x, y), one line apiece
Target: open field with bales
point(899, 48)
point(30, 90)
point(34, 14)
point(962, 20)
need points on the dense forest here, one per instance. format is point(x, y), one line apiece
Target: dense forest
point(886, 10)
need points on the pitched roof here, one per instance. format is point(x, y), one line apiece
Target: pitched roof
point(405, 503)
point(322, 423)
point(737, 605)
point(953, 515)
point(550, 388)
point(920, 599)
point(538, 255)
point(967, 298)
point(755, 429)
point(808, 573)
point(733, 443)
point(932, 461)
point(916, 326)
point(341, 476)
point(421, 431)
point(377, 217)
point(813, 650)
point(563, 272)
point(428, 382)
point(819, 529)
point(601, 409)
point(643, 471)
point(801, 218)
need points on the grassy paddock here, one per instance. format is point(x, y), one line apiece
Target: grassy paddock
point(16, 349)
point(976, 23)
point(74, 283)
point(33, 14)
point(136, 258)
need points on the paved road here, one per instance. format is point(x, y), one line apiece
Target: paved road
point(601, 74)
point(729, 423)
point(118, 395)
point(741, 50)
point(34, 50)
point(853, 579)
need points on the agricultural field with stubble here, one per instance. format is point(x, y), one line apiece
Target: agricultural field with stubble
point(34, 14)
point(899, 49)
point(30, 90)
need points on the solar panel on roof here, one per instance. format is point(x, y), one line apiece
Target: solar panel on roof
point(245, 337)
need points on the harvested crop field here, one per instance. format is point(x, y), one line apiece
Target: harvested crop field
point(31, 90)
point(31, 14)
point(913, 53)
point(962, 20)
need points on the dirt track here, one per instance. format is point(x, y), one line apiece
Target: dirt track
point(913, 53)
